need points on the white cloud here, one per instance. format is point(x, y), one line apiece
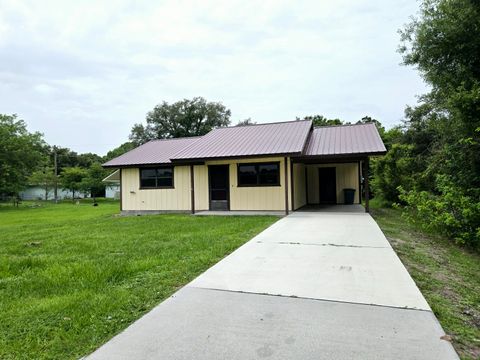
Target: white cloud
point(95, 67)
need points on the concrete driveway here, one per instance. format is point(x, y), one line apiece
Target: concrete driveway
point(315, 285)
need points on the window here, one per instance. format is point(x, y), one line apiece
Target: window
point(261, 174)
point(156, 178)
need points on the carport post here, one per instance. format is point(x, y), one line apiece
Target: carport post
point(192, 189)
point(367, 189)
point(292, 186)
point(286, 184)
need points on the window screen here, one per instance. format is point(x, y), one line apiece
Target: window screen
point(261, 174)
point(155, 178)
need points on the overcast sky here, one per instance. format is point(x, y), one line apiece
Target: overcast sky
point(84, 72)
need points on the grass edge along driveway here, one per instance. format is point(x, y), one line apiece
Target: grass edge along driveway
point(447, 275)
point(73, 276)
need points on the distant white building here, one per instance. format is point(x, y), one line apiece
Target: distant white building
point(112, 185)
point(38, 193)
point(112, 190)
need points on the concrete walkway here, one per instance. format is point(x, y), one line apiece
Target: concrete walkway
point(315, 285)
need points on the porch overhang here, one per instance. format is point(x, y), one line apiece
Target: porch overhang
point(335, 158)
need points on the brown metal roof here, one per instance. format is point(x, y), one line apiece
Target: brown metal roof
point(252, 140)
point(153, 152)
point(288, 138)
point(344, 140)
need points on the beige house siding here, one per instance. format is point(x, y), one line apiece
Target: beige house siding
point(347, 177)
point(177, 199)
point(243, 198)
point(300, 195)
point(201, 187)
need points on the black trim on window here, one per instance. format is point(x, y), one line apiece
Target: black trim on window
point(258, 174)
point(160, 177)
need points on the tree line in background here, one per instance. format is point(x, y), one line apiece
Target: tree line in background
point(26, 159)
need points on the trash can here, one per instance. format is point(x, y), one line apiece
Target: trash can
point(349, 196)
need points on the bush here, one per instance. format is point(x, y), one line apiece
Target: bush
point(452, 212)
point(393, 170)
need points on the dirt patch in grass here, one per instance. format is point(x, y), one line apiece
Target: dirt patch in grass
point(447, 275)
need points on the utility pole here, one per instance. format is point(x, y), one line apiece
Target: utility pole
point(56, 173)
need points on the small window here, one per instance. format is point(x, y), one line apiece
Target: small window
point(247, 175)
point(156, 178)
point(261, 174)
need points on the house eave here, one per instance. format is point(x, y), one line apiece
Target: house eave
point(332, 157)
point(235, 157)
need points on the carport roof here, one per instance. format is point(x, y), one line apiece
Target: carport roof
point(345, 140)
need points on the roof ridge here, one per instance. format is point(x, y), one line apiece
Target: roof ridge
point(342, 125)
point(236, 142)
point(177, 138)
point(308, 139)
point(268, 123)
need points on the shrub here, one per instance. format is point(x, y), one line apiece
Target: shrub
point(393, 170)
point(452, 212)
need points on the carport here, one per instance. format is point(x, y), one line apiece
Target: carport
point(334, 167)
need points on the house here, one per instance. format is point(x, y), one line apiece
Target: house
point(276, 166)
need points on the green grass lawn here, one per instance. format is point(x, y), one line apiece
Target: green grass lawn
point(72, 276)
point(447, 275)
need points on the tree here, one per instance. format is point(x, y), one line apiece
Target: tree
point(87, 159)
point(71, 179)
point(69, 158)
point(45, 178)
point(370, 120)
point(122, 149)
point(92, 183)
point(443, 130)
point(21, 152)
point(393, 170)
point(246, 122)
point(181, 119)
point(65, 157)
point(320, 120)
point(444, 44)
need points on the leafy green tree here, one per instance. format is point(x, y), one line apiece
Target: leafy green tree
point(183, 118)
point(45, 178)
point(122, 149)
point(92, 183)
point(370, 120)
point(452, 213)
point(392, 136)
point(65, 157)
point(393, 170)
point(71, 179)
point(87, 159)
point(69, 158)
point(21, 153)
point(320, 120)
point(443, 43)
point(246, 122)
